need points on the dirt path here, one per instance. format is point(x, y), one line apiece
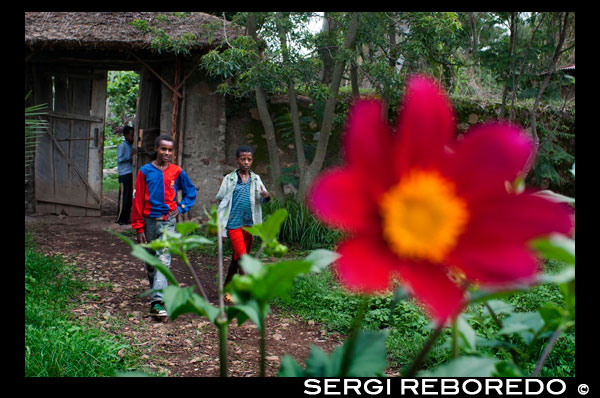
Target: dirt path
point(187, 346)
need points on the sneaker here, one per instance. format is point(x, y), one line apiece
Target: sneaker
point(157, 309)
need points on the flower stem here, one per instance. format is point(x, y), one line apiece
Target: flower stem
point(261, 343)
point(544, 356)
point(198, 283)
point(349, 352)
point(220, 254)
point(455, 349)
point(222, 325)
point(418, 362)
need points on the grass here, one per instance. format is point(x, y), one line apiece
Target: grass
point(56, 344)
point(320, 298)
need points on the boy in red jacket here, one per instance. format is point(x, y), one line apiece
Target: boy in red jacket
point(155, 209)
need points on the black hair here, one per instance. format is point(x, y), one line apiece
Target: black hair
point(162, 137)
point(243, 148)
point(127, 129)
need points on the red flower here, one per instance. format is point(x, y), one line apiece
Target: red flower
point(422, 207)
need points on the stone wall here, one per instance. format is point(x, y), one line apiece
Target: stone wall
point(203, 124)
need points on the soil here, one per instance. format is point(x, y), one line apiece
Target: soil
point(186, 346)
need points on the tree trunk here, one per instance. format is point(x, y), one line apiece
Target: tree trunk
point(265, 117)
point(317, 162)
point(294, 113)
point(511, 49)
point(550, 71)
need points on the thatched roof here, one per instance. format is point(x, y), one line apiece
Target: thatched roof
point(113, 30)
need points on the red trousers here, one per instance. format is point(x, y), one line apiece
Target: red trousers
point(241, 242)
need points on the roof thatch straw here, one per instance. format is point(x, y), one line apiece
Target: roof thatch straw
point(114, 30)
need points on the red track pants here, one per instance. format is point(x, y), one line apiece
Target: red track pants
point(241, 242)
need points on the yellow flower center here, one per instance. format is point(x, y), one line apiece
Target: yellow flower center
point(422, 216)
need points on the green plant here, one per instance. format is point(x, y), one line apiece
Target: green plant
point(301, 228)
point(251, 292)
point(34, 126)
point(55, 344)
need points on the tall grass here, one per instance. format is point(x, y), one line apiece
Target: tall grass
point(319, 297)
point(301, 228)
point(57, 345)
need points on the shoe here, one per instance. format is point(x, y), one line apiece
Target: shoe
point(157, 309)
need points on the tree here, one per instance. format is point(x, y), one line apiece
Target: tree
point(560, 23)
point(267, 64)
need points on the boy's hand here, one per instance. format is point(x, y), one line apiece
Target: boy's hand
point(141, 237)
point(263, 192)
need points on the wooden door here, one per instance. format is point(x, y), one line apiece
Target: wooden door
point(68, 163)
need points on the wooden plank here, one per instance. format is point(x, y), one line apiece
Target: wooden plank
point(66, 202)
point(80, 91)
point(74, 116)
point(70, 163)
point(44, 165)
point(157, 75)
point(96, 148)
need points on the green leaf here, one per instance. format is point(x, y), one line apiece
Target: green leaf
point(466, 332)
point(368, 355)
point(526, 324)
point(466, 366)
point(290, 368)
point(557, 247)
point(278, 279)
point(139, 252)
point(250, 310)
point(366, 358)
point(185, 228)
point(552, 315)
point(500, 306)
point(251, 265)
point(318, 364)
point(179, 301)
point(321, 259)
point(269, 229)
point(272, 224)
point(193, 241)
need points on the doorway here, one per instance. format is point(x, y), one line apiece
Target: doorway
point(122, 93)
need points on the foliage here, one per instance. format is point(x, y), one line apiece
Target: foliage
point(122, 92)
point(251, 292)
point(301, 228)
point(55, 344)
point(161, 41)
point(34, 126)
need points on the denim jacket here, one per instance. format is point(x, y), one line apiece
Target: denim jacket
point(225, 195)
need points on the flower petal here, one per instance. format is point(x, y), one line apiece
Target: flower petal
point(367, 136)
point(337, 198)
point(368, 145)
point(430, 284)
point(365, 265)
point(512, 218)
point(496, 265)
point(488, 156)
point(425, 124)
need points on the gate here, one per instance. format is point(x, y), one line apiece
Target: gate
point(68, 162)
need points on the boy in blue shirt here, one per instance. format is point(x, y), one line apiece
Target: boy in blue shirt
point(124, 156)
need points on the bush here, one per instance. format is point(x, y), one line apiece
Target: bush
point(301, 228)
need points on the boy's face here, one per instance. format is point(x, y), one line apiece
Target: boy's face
point(129, 136)
point(244, 161)
point(164, 151)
